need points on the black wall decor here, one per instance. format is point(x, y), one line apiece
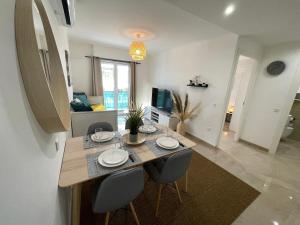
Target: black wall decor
point(276, 68)
point(68, 68)
point(196, 82)
point(204, 85)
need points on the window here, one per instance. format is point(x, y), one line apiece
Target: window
point(115, 78)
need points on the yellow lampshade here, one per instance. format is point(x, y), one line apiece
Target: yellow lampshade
point(137, 51)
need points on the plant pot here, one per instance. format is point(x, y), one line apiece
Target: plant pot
point(133, 137)
point(181, 128)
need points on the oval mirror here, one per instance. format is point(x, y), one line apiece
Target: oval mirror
point(41, 67)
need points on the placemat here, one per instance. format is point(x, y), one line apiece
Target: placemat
point(95, 169)
point(159, 151)
point(89, 143)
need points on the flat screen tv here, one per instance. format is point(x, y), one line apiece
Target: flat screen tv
point(162, 99)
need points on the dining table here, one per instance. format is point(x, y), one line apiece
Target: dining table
point(80, 165)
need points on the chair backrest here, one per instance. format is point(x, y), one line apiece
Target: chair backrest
point(119, 189)
point(127, 125)
point(104, 125)
point(175, 166)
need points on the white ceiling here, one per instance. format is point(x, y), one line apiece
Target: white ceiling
point(106, 20)
point(267, 21)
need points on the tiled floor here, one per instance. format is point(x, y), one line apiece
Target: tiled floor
point(277, 177)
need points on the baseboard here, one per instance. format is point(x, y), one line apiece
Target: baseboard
point(192, 137)
point(254, 145)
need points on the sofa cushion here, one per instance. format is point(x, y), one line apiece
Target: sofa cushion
point(82, 96)
point(79, 106)
point(98, 107)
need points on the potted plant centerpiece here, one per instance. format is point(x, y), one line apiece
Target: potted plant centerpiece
point(182, 112)
point(134, 120)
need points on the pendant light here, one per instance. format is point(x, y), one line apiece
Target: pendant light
point(137, 49)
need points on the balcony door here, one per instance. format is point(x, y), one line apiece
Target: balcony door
point(115, 78)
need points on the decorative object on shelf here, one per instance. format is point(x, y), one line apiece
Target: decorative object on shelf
point(276, 68)
point(182, 112)
point(137, 49)
point(133, 119)
point(197, 83)
point(48, 98)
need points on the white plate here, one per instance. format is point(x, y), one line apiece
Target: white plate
point(113, 157)
point(172, 148)
point(147, 129)
point(167, 142)
point(100, 161)
point(105, 136)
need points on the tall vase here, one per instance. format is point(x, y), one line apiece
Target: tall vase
point(133, 134)
point(181, 128)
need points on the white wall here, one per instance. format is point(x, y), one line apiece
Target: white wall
point(81, 67)
point(250, 48)
point(241, 80)
point(29, 162)
point(213, 60)
point(272, 97)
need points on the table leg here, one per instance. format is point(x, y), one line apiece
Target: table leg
point(76, 200)
point(186, 181)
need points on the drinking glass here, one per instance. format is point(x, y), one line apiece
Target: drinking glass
point(121, 142)
point(166, 131)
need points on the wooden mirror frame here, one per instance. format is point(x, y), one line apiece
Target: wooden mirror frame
point(48, 100)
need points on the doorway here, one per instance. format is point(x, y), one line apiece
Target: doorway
point(115, 78)
point(234, 117)
point(290, 138)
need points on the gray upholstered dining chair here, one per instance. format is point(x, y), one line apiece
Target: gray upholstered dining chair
point(104, 125)
point(117, 191)
point(169, 170)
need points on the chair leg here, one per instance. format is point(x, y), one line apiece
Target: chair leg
point(177, 189)
point(158, 199)
point(107, 218)
point(186, 181)
point(134, 213)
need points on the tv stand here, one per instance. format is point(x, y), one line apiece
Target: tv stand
point(163, 118)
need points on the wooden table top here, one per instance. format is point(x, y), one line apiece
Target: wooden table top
point(74, 165)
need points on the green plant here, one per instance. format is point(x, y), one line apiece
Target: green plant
point(134, 118)
point(182, 110)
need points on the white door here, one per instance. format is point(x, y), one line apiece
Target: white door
point(115, 78)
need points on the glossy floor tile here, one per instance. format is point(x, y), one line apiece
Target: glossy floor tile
point(277, 177)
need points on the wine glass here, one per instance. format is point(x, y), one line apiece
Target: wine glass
point(121, 141)
point(166, 131)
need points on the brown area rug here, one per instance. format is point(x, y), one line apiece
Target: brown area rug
point(215, 197)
